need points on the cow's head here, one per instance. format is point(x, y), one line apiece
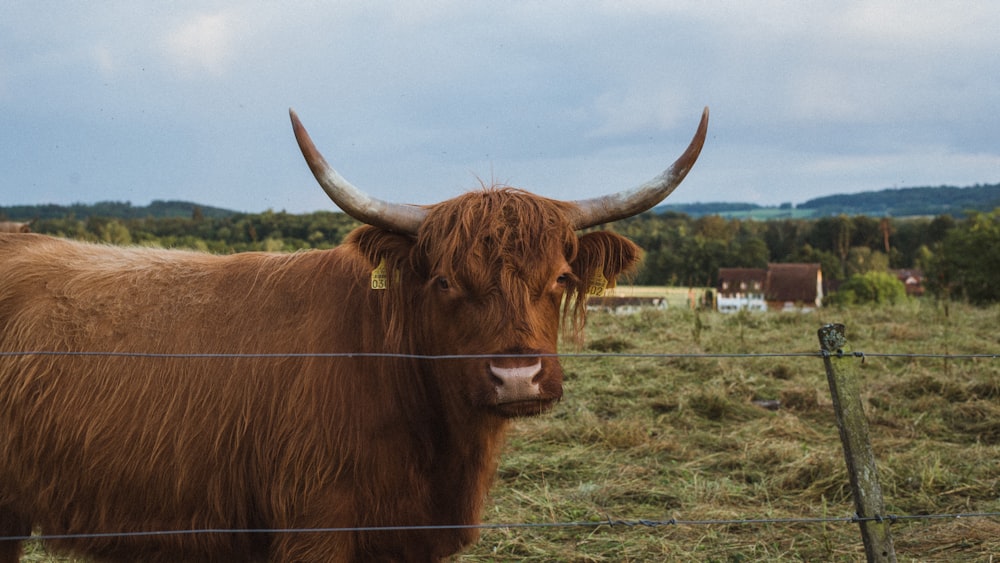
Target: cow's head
point(495, 272)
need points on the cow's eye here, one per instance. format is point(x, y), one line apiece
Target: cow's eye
point(564, 280)
point(442, 283)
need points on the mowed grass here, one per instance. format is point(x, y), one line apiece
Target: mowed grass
point(682, 437)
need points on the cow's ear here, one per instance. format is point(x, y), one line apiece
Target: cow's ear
point(607, 254)
point(378, 245)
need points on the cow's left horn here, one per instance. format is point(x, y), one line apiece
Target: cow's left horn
point(363, 207)
point(613, 207)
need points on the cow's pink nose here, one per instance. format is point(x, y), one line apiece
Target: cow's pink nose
point(516, 383)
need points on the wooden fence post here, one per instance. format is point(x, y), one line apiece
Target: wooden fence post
point(853, 428)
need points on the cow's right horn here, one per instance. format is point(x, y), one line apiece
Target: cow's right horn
point(608, 208)
point(394, 217)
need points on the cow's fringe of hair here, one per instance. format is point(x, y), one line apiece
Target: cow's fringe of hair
point(518, 229)
point(522, 233)
point(504, 224)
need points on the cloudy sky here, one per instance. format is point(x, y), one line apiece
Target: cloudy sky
point(417, 101)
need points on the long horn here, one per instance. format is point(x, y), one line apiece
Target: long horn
point(404, 219)
point(608, 208)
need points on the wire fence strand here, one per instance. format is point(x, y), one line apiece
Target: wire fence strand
point(584, 355)
point(591, 524)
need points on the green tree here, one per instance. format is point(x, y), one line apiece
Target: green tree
point(870, 287)
point(750, 252)
point(828, 262)
point(967, 263)
point(115, 232)
point(784, 237)
point(910, 238)
point(833, 234)
point(862, 259)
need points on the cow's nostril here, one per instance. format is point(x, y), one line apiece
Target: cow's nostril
point(494, 378)
point(514, 374)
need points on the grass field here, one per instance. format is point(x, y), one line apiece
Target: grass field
point(641, 438)
point(681, 437)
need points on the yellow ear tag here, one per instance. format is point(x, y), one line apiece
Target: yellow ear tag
point(380, 276)
point(598, 283)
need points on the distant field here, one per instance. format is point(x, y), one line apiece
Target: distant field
point(770, 213)
point(676, 296)
point(741, 211)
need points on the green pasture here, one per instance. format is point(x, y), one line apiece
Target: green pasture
point(685, 438)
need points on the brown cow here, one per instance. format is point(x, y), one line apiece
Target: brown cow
point(15, 227)
point(321, 427)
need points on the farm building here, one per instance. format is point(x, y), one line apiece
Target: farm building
point(741, 288)
point(794, 286)
point(780, 287)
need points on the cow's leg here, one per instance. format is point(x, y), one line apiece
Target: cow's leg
point(12, 525)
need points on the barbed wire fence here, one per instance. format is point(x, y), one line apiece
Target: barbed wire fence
point(870, 516)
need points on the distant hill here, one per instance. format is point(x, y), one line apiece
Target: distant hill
point(903, 202)
point(157, 209)
point(897, 202)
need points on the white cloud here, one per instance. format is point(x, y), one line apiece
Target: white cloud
point(204, 43)
point(826, 94)
point(919, 24)
point(913, 166)
point(643, 108)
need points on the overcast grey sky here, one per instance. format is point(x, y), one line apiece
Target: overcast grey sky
point(416, 101)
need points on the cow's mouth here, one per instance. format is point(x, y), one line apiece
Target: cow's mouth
point(527, 407)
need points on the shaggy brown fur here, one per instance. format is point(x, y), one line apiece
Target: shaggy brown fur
point(112, 443)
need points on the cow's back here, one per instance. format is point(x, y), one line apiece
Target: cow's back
point(76, 296)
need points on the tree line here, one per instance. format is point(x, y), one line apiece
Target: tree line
point(959, 257)
point(237, 232)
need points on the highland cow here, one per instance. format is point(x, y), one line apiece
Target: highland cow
point(249, 399)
